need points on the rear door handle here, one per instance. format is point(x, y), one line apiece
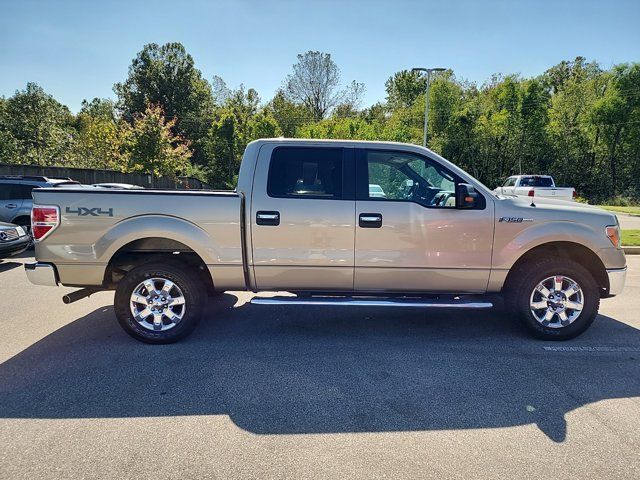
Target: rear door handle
point(268, 218)
point(370, 220)
point(11, 205)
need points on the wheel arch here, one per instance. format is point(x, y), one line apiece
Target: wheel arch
point(151, 249)
point(564, 249)
point(21, 216)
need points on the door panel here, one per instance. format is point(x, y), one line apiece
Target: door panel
point(424, 243)
point(311, 244)
point(423, 249)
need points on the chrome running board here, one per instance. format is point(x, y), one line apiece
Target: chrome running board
point(371, 302)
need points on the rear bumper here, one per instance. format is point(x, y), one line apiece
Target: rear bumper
point(617, 278)
point(41, 274)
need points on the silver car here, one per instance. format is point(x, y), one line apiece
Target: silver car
point(15, 196)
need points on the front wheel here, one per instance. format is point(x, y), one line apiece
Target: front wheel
point(555, 298)
point(159, 302)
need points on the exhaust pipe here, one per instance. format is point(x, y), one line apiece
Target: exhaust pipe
point(79, 295)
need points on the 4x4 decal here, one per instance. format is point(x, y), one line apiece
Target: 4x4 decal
point(85, 211)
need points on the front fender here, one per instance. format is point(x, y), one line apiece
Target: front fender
point(510, 246)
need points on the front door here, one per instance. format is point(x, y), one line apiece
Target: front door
point(302, 218)
point(410, 237)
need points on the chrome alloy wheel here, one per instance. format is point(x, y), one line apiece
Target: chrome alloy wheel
point(556, 301)
point(157, 304)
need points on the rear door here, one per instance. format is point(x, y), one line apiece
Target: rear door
point(302, 218)
point(414, 239)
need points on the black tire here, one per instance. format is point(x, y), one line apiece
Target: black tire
point(183, 277)
point(524, 280)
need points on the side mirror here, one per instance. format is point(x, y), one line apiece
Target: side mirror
point(466, 196)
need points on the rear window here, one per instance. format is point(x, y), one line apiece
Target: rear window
point(536, 182)
point(299, 172)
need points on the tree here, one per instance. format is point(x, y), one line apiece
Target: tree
point(166, 76)
point(404, 88)
point(289, 115)
point(151, 146)
point(100, 137)
point(315, 83)
point(36, 129)
point(236, 123)
point(615, 112)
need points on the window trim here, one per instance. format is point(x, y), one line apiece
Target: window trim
point(362, 172)
point(347, 175)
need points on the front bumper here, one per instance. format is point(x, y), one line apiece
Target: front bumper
point(617, 278)
point(41, 274)
point(15, 247)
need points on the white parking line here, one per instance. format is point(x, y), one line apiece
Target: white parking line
point(592, 349)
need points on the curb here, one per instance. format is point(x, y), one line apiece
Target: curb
point(631, 250)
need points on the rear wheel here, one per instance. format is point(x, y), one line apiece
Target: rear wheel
point(159, 302)
point(555, 298)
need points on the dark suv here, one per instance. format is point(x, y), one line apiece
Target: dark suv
point(15, 196)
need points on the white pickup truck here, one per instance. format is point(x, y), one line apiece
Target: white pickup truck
point(535, 186)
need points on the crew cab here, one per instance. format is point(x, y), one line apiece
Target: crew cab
point(304, 218)
point(535, 185)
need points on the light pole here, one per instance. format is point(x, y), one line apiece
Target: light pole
point(428, 71)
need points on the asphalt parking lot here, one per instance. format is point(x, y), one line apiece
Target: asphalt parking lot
point(288, 392)
point(629, 222)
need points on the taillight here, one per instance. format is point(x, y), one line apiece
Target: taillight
point(531, 193)
point(574, 194)
point(44, 220)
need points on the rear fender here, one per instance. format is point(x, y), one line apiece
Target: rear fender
point(161, 226)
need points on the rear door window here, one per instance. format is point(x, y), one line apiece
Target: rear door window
point(22, 192)
point(306, 172)
point(15, 191)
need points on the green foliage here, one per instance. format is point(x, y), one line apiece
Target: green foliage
point(151, 147)
point(288, 115)
point(36, 129)
point(165, 75)
point(576, 121)
point(99, 138)
point(404, 88)
point(630, 238)
point(236, 123)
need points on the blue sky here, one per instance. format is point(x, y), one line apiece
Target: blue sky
point(79, 49)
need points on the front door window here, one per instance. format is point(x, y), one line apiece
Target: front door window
point(403, 176)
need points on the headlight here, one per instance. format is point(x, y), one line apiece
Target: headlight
point(21, 232)
point(613, 233)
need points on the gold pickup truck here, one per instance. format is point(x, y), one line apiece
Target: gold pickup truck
point(335, 223)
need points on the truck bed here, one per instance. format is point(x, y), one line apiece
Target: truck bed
point(96, 224)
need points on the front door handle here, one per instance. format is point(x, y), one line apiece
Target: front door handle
point(370, 220)
point(268, 218)
point(11, 205)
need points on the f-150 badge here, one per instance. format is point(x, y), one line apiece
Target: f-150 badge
point(85, 211)
point(515, 219)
